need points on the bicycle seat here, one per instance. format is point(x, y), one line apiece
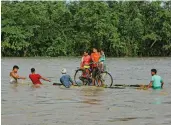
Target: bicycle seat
point(86, 67)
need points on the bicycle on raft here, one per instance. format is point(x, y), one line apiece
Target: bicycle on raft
point(83, 76)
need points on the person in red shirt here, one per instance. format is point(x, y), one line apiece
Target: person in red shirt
point(85, 61)
point(35, 78)
point(85, 64)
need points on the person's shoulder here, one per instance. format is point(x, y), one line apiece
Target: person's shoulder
point(63, 75)
point(67, 75)
point(153, 76)
point(38, 75)
point(159, 76)
point(156, 76)
point(30, 75)
point(89, 56)
point(11, 72)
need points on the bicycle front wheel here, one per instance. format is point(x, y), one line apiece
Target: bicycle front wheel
point(107, 79)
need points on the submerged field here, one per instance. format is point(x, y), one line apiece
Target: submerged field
point(54, 105)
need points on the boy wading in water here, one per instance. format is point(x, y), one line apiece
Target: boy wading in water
point(14, 75)
point(35, 78)
point(156, 81)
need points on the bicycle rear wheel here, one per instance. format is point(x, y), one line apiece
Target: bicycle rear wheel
point(79, 79)
point(106, 79)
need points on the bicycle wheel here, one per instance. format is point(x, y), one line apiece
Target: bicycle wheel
point(81, 79)
point(106, 79)
point(77, 77)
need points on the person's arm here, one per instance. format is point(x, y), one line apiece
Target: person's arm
point(21, 77)
point(61, 80)
point(71, 81)
point(81, 64)
point(104, 57)
point(162, 83)
point(16, 76)
point(92, 58)
point(151, 83)
point(45, 79)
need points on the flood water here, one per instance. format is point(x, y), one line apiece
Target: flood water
point(55, 105)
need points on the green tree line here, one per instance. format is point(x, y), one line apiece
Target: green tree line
point(60, 28)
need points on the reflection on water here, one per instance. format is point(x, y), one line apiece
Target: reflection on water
point(23, 104)
point(157, 101)
point(90, 94)
point(91, 91)
point(91, 101)
point(14, 87)
point(128, 119)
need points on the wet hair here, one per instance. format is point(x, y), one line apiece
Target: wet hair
point(86, 51)
point(101, 50)
point(15, 67)
point(96, 49)
point(154, 70)
point(32, 70)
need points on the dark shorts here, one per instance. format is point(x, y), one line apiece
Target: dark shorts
point(94, 72)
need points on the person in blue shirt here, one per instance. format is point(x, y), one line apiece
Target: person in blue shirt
point(102, 60)
point(66, 79)
point(156, 81)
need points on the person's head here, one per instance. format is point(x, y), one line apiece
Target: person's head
point(32, 70)
point(94, 50)
point(64, 71)
point(101, 51)
point(85, 53)
point(153, 71)
point(15, 68)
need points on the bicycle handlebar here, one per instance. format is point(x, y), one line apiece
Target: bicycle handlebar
point(94, 63)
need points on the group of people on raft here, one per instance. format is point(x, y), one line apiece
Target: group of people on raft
point(93, 61)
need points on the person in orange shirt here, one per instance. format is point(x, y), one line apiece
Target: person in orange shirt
point(95, 56)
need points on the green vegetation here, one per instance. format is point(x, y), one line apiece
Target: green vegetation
point(61, 28)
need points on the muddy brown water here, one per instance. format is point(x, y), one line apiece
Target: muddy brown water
point(55, 105)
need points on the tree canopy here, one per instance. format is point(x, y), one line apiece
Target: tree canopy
point(60, 28)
